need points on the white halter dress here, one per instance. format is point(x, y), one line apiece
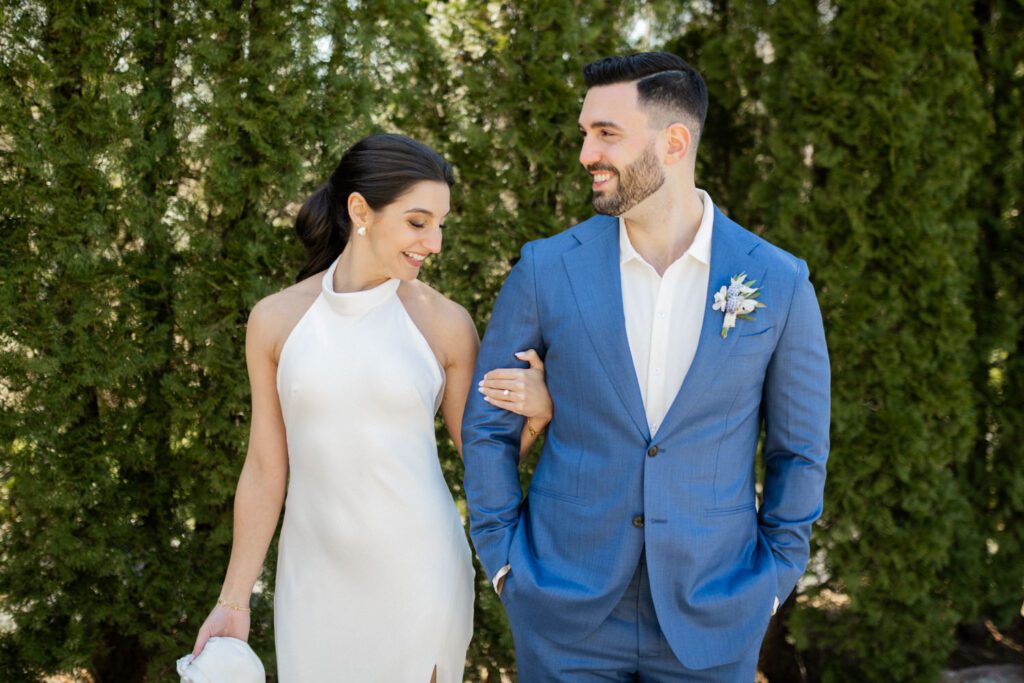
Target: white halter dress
point(374, 574)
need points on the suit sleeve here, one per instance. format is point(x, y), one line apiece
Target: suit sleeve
point(490, 435)
point(796, 409)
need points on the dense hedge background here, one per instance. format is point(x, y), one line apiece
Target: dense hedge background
point(153, 155)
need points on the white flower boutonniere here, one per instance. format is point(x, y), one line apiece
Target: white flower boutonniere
point(737, 300)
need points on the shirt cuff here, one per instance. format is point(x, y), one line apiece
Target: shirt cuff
point(505, 570)
point(775, 607)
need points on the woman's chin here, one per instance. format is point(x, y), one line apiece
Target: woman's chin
point(408, 269)
point(406, 274)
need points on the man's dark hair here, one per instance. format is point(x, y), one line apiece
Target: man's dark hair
point(667, 87)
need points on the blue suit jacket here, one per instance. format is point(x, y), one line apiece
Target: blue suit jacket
point(715, 562)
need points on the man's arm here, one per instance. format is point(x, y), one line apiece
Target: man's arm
point(796, 409)
point(491, 435)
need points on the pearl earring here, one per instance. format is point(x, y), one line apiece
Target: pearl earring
point(361, 231)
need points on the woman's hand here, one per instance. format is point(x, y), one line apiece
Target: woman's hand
point(223, 621)
point(521, 391)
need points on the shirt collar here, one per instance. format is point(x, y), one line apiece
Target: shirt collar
point(700, 248)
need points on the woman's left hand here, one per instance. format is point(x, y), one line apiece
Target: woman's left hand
point(521, 391)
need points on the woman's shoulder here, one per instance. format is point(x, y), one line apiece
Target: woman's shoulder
point(273, 317)
point(441, 309)
point(445, 323)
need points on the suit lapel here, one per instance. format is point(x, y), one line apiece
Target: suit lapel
point(731, 248)
point(593, 270)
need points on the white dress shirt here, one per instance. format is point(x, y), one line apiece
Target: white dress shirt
point(664, 314)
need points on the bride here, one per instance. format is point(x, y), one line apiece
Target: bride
point(348, 368)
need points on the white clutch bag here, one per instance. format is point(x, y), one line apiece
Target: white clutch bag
point(223, 660)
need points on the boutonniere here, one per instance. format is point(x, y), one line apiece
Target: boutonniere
point(737, 300)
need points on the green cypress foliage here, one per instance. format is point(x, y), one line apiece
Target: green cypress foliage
point(870, 154)
point(85, 338)
point(993, 478)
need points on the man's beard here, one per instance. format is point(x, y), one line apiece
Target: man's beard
point(637, 182)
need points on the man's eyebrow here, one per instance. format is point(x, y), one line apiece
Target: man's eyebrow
point(602, 124)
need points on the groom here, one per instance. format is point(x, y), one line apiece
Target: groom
point(670, 336)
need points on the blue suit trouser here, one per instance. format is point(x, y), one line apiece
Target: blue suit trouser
point(627, 646)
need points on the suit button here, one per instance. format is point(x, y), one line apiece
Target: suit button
point(652, 451)
point(638, 521)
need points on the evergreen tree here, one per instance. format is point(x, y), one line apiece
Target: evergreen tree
point(870, 152)
point(86, 336)
point(993, 477)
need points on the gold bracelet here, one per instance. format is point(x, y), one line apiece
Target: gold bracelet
point(529, 428)
point(232, 606)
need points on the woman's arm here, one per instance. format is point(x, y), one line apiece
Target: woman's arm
point(461, 344)
point(261, 486)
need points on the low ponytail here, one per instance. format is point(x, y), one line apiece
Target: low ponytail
point(381, 168)
point(323, 230)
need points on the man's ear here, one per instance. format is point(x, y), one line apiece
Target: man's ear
point(679, 141)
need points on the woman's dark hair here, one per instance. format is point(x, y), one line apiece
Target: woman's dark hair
point(381, 168)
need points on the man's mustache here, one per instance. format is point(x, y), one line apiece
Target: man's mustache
point(602, 167)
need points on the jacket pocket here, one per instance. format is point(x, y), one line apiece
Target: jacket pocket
point(536, 490)
point(755, 343)
point(731, 510)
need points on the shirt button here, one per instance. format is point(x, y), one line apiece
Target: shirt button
point(638, 521)
point(652, 451)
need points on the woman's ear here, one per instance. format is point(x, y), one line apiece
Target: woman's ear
point(359, 212)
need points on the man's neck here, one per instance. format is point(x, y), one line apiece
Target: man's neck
point(662, 227)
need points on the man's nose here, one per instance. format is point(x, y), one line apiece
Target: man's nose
point(588, 153)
